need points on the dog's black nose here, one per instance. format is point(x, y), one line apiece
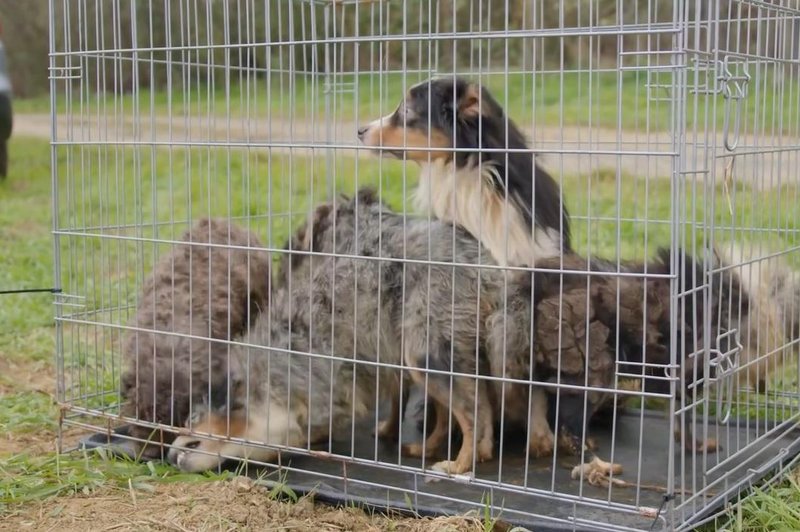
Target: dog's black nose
point(362, 131)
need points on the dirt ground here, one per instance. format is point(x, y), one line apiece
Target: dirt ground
point(238, 504)
point(40, 442)
point(25, 375)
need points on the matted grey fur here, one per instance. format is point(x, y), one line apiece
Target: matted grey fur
point(420, 316)
point(208, 292)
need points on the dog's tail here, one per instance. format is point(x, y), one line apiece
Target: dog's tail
point(772, 321)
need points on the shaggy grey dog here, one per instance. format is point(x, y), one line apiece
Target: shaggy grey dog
point(368, 318)
point(208, 292)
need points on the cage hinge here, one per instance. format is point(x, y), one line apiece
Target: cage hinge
point(705, 75)
point(74, 301)
point(734, 80)
point(65, 72)
point(723, 363)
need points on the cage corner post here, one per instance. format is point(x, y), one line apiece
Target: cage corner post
point(60, 391)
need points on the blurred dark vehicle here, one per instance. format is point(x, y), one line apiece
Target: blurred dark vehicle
point(6, 115)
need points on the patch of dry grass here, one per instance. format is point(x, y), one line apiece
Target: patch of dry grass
point(237, 504)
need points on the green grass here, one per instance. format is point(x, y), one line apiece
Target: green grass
point(27, 258)
point(601, 99)
point(774, 508)
point(27, 412)
point(144, 192)
point(25, 479)
point(26, 333)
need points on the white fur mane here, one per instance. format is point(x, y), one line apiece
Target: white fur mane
point(468, 198)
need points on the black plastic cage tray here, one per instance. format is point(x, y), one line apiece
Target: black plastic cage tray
point(641, 438)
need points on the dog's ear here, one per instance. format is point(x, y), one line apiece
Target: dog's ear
point(307, 237)
point(469, 104)
point(230, 397)
point(464, 100)
point(230, 394)
point(320, 222)
point(367, 195)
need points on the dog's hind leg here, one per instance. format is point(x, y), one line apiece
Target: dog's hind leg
point(466, 397)
point(477, 432)
point(468, 425)
point(572, 423)
point(434, 441)
point(463, 400)
point(389, 428)
point(486, 420)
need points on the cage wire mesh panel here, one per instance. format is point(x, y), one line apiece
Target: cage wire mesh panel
point(664, 124)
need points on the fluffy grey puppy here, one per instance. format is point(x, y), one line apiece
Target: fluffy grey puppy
point(208, 292)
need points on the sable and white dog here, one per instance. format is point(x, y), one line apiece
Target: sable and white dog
point(476, 169)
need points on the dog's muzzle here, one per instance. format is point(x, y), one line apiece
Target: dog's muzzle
point(366, 134)
point(175, 457)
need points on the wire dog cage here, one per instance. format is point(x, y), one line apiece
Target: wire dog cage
point(664, 124)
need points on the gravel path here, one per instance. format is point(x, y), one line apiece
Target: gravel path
point(570, 150)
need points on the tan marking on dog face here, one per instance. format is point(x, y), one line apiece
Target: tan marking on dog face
point(218, 425)
point(416, 144)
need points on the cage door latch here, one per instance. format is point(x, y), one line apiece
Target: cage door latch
point(734, 90)
point(723, 363)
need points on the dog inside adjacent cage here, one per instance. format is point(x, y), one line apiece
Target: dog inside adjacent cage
point(429, 251)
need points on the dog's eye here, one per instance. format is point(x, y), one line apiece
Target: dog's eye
point(194, 444)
